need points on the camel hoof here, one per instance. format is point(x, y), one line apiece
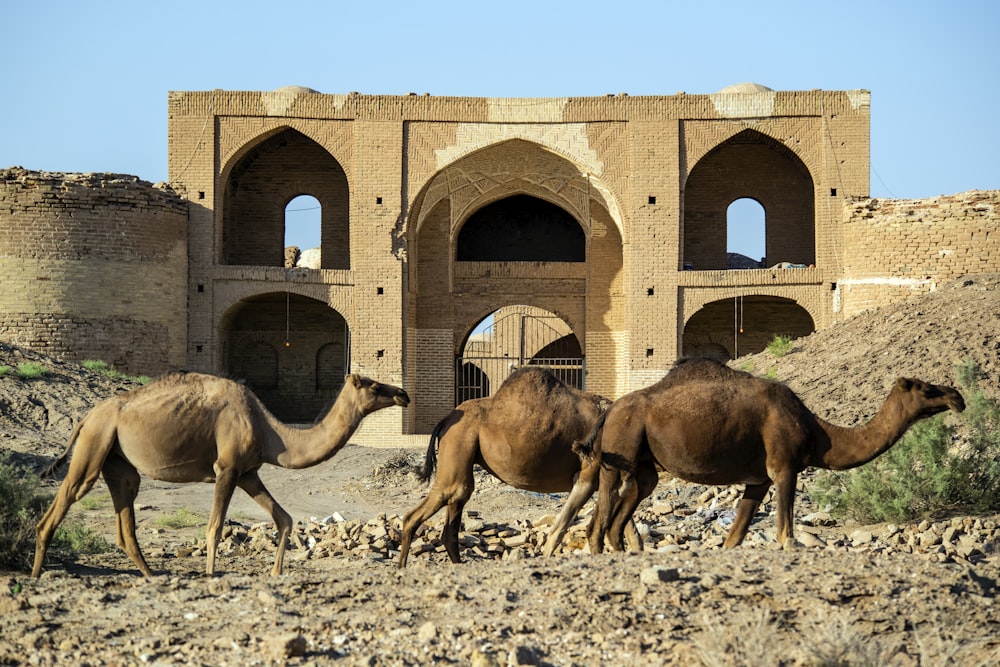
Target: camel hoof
point(792, 544)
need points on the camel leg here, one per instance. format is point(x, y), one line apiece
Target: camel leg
point(250, 482)
point(784, 487)
point(434, 501)
point(453, 525)
point(628, 499)
point(624, 524)
point(225, 484)
point(753, 494)
point(607, 502)
point(123, 484)
point(84, 469)
point(453, 485)
point(583, 487)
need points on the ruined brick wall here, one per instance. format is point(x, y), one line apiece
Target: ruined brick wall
point(93, 266)
point(895, 248)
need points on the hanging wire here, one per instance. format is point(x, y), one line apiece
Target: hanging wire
point(737, 324)
point(288, 343)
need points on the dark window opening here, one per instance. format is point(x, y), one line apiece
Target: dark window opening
point(521, 229)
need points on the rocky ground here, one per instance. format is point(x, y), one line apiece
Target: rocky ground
point(915, 594)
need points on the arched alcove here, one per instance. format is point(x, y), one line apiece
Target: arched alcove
point(730, 328)
point(521, 228)
point(261, 184)
point(749, 165)
point(291, 350)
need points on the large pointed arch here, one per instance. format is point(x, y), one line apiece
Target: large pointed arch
point(749, 165)
point(259, 184)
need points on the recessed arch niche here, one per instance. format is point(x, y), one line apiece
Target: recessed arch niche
point(259, 186)
point(291, 350)
point(749, 165)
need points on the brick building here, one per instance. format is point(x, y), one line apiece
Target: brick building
point(594, 231)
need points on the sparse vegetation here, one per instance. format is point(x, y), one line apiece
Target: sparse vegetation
point(181, 518)
point(107, 370)
point(926, 474)
point(780, 346)
point(22, 507)
point(29, 370)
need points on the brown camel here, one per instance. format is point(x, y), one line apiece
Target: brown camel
point(190, 427)
point(523, 436)
point(707, 423)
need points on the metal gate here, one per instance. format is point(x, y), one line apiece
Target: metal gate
point(519, 336)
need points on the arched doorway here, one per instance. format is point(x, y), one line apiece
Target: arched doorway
point(291, 350)
point(746, 227)
point(511, 223)
point(303, 232)
point(512, 337)
point(730, 328)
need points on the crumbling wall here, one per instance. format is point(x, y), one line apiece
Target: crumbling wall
point(894, 248)
point(93, 266)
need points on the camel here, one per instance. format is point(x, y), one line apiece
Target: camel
point(191, 427)
point(710, 424)
point(523, 436)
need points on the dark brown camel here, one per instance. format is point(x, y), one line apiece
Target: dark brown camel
point(190, 427)
point(522, 435)
point(707, 423)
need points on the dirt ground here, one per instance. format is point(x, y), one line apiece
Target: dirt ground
point(922, 594)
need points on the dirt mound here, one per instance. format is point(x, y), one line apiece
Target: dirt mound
point(845, 372)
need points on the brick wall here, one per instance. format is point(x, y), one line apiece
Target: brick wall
point(894, 248)
point(648, 180)
point(93, 266)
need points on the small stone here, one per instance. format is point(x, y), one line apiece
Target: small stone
point(654, 575)
point(285, 646)
point(427, 632)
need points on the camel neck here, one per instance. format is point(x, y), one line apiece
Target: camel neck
point(304, 447)
point(851, 447)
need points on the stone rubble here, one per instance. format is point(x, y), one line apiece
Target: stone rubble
point(667, 527)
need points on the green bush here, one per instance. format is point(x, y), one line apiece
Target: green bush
point(780, 346)
point(107, 370)
point(926, 474)
point(29, 370)
point(20, 510)
point(21, 507)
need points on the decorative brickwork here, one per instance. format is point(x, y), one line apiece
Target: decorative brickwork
point(110, 267)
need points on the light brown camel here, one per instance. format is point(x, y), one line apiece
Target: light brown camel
point(522, 435)
point(707, 423)
point(190, 427)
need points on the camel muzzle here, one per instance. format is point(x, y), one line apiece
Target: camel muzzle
point(402, 399)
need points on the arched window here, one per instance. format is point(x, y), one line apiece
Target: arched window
point(303, 215)
point(745, 235)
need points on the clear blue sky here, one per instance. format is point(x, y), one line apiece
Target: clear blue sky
point(83, 86)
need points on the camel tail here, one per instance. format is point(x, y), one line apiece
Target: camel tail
point(58, 463)
point(585, 448)
point(430, 460)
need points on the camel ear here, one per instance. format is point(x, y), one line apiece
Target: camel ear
point(904, 384)
point(354, 379)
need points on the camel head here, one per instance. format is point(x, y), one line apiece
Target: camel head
point(923, 399)
point(371, 395)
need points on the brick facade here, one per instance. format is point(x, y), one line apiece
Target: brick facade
point(647, 179)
